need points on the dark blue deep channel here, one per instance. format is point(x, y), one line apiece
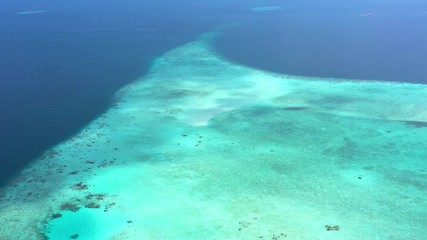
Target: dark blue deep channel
point(61, 64)
point(364, 39)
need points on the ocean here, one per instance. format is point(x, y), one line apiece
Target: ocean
point(213, 119)
point(60, 67)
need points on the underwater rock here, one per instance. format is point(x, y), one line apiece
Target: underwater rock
point(108, 206)
point(79, 186)
point(92, 205)
point(56, 215)
point(74, 236)
point(332, 228)
point(278, 236)
point(70, 207)
point(95, 196)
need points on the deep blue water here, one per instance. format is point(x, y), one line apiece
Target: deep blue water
point(60, 69)
point(335, 38)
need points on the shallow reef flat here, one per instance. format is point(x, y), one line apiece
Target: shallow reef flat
point(203, 148)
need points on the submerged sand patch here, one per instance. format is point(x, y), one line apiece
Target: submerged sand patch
point(202, 148)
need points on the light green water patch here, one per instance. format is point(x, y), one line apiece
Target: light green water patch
point(86, 224)
point(202, 148)
point(265, 8)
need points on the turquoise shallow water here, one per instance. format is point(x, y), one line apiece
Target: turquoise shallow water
point(202, 148)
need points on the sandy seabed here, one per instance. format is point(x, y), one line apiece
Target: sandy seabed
point(202, 148)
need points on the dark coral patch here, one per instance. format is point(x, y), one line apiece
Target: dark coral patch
point(95, 196)
point(70, 207)
point(108, 206)
point(332, 228)
point(56, 215)
point(79, 186)
point(74, 236)
point(92, 205)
